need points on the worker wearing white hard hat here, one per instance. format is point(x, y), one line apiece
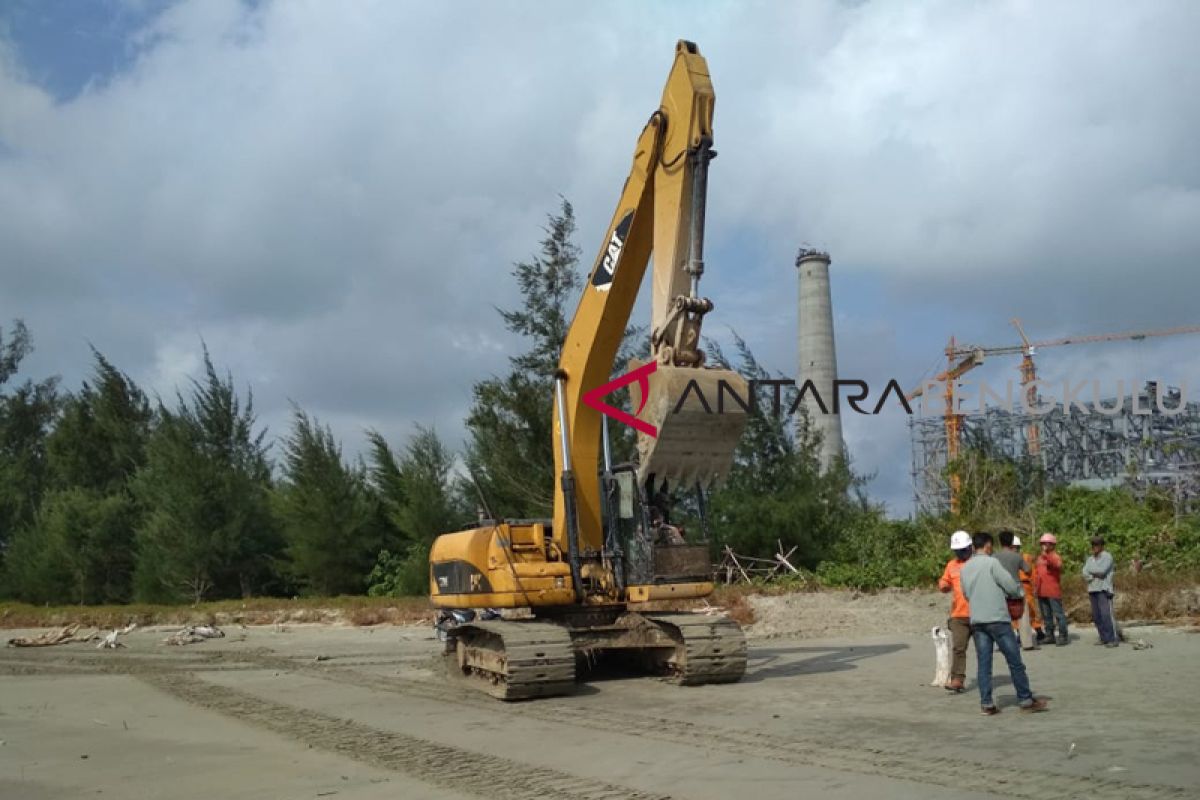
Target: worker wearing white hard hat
point(959, 622)
point(1010, 558)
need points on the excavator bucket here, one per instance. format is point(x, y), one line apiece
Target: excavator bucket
point(700, 414)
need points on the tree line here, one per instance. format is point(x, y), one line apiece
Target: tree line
point(108, 495)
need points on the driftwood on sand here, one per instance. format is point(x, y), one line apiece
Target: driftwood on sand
point(109, 640)
point(193, 634)
point(47, 639)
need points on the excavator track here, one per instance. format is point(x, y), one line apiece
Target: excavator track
point(513, 659)
point(708, 649)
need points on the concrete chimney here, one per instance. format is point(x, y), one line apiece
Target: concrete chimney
point(818, 359)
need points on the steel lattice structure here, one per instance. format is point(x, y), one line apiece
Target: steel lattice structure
point(1138, 445)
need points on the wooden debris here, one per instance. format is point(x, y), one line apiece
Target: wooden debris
point(109, 642)
point(193, 634)
point(736, 568)
point(47, 639)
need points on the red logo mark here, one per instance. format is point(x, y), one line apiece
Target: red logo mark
point(640, 375)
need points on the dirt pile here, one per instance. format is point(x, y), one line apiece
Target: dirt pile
point(833, 613)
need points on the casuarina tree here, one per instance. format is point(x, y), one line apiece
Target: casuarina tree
point(208, 530)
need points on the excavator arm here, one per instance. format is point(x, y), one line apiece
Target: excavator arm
point(660, 212)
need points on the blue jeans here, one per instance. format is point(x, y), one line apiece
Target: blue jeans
point(1002, 634)
point(1053, 616)
point(1102, 615)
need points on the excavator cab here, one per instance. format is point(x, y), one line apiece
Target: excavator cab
point(662, 552)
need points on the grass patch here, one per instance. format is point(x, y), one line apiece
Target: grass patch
point(1149, 595)
point(353, 610)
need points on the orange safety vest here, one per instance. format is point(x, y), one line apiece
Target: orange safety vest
point(951, 581)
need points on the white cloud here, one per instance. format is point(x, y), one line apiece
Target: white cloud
point(331, 195)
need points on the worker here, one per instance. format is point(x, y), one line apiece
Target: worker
point(1010, 558)
point(987, 585)
point(660, 520)
point(1028, 578)
point(959, 622)
point(1049, 590)
point(1098, 571)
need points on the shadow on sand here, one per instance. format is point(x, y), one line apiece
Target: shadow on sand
point(778, 662)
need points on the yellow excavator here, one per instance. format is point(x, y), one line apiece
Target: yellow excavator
point(610, 548)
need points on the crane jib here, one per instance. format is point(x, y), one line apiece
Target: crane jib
point(606, 264)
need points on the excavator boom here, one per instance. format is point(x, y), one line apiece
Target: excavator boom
point(660, 211)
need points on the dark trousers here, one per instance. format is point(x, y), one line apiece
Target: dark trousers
point(960, 637)
point(1102, 616)
point(1053, 617)
point(1001, 634)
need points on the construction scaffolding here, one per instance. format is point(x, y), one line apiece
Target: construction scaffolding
point(1135, 443)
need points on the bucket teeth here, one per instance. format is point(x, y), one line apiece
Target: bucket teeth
point(700, 417)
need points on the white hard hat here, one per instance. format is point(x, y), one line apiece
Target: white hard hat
point(1016, 541)
point(959, 540)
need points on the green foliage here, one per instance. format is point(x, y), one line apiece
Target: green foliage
point(1133, 528)
point(400, 575)
point(100, 440)
point(107, 498)
point(80, 549)
point(27, 414)
point(777, 492)
point(994, 490)
point(330, 518)
point(431, 505)
point(549, 285)
point(421, 500)
point(511, 447)
point(876, 552)
point(510, 450)
point(208, 529)
point(14, 350)
point(81, 545)
point(1000, 493)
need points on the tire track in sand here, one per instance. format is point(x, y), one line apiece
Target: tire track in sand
point(441, 765)
point(842, 753)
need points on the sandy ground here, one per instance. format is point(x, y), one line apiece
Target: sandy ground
point(828, 614)
point(325, 711)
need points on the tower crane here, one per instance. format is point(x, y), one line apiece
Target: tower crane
point(961, 359)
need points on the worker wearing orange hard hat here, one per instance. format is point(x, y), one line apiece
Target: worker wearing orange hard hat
point(959, 622)
point(1028, 577)
point(1048, 588)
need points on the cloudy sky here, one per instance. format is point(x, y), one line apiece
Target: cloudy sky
point(331, 195)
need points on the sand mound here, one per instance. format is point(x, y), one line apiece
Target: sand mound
point(836, 613)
